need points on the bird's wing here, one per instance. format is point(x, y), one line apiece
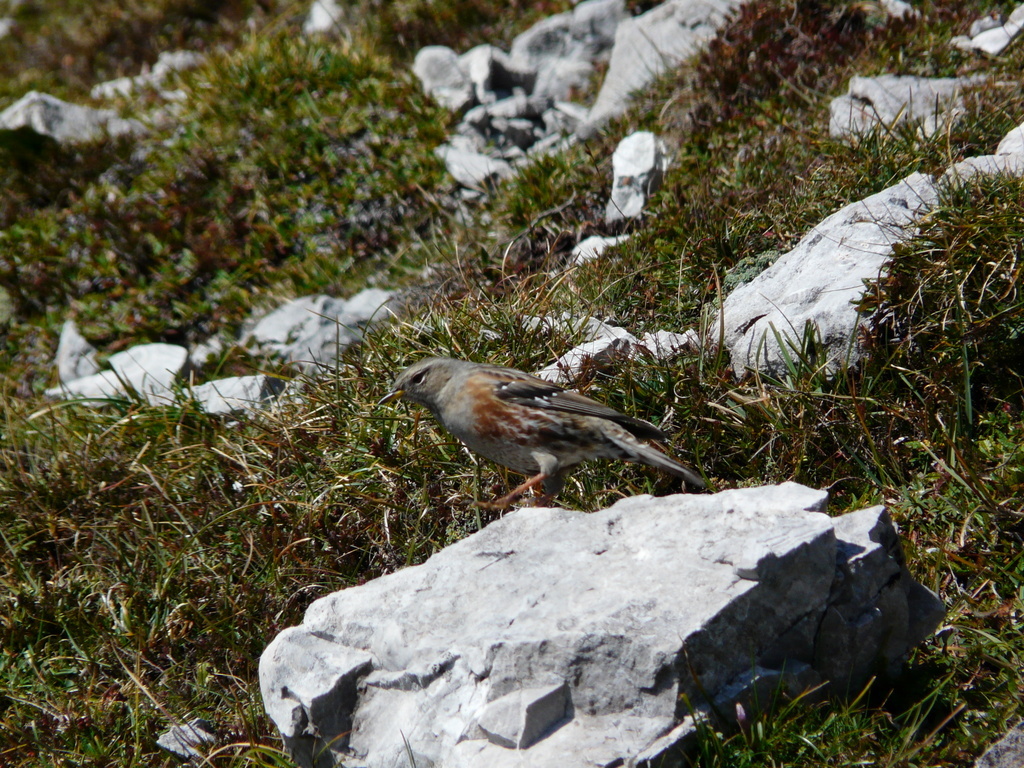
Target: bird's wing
point(537, 393)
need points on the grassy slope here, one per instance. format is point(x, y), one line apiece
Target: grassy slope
point(150, 554)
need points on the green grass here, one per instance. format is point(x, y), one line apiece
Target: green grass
point(295, 167)
point(150, 554)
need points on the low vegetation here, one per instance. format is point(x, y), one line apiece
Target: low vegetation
point(150, 554)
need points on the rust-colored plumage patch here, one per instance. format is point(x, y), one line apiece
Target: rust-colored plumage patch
point(494, 418)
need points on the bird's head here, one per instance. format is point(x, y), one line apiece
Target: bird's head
point(422, 381)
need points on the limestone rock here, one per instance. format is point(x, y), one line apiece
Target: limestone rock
point(237, 394)
point(993, 20)
point(442, 77)
point(585, 33)
point(520, 106)
point(650, 44)
point(1010, 164)
point(563, 78)
point(206, 352)
point(99, 386)
point(515, 121)
point(664, 345)
point(603, 352)
point(493, 74)
point(519, 719)
point(555, 637)
point(813, 285)
point(182, 740)
point(151, 369)
point(76, 357)
point(148, 370)
point(473, 169)
point(167, 63)
point(515, 102)
point(1013, 142)
point(990, 35)
point(881, 103)
point(543, 43)
point(563, 117)
point(638, 165)
point(899, 9)
point(312, 330)
point(591, 248)
point(590, 328)
point(1008, 752)
point(561, 49)
point(65, 122)
point(605, 345)
point(813, 288)
point(325, 17)
point(323, 693)
point(553, 144)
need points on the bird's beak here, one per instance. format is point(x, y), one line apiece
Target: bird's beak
point(394, 394)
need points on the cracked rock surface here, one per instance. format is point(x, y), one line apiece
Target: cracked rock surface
point(565, 638)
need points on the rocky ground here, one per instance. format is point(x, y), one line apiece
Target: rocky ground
point(788, 233)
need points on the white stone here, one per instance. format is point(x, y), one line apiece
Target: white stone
point(151, 369)
point(76, 357)
point(166, 63)
point(818, 282)
point(99, 386)
point(650, 44)
point(899, 9)
point(183, 740)
point(988, 35)
point(443, 78)
point(562, 638)
point(473, 169)
point(493, 74)
point(67, 123)
point(984, 24)
point(325, 16)
point(639, 164)
point(516, 106)
point(311, 331)
point(148, 370)
point(544, 42)
point(236, 394)
point(602, 351)
point(1013, 142)
point(109, 89)
point(881, 103)
point(205, 351)
point(1012, 165)
point(590, 328)
point(561, 49)
point(592, 247)
point(519, 719)
point(1008, 752)
point(664, 345)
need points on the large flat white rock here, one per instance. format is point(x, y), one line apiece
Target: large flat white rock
point(562, 638)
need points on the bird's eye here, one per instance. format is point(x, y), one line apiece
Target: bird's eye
point(418, 378)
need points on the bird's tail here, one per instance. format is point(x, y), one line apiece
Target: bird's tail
point(648, 454)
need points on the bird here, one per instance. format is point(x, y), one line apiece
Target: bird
point(531, 426)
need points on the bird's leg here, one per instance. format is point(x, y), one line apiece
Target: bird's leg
point(514, 495)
